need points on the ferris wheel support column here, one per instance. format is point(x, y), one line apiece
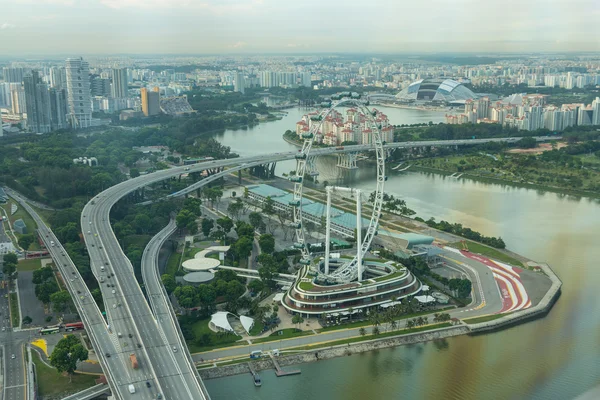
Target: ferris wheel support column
point(327, 228)
point(359, 254)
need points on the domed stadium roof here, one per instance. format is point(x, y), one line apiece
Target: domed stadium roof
point(441, 90)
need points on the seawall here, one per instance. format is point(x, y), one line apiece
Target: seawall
point(539, 310)
point(335, 351)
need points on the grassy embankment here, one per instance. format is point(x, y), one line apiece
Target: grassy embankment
point(487, 251)
point(288, 333)
point(485, 318)
point(371, 336)
point(217, 341)
point(52, 383)
point(30, 264)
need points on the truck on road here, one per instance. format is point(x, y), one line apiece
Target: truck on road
point(134, 362)
point(131, 389)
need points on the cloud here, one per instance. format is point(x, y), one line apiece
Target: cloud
point(217, 6)
point(6, 25)
point(238, 45)
point(53, 2)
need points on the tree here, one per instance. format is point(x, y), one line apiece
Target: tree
point(11, 258)
point(27, 320)
point(234, 290)
point(225, 223)
point(142, 223)
point(268, 270)
point(44, 290)
point(268, 206)
point(362, 331)
point(60, 300)
point(168, 282)
point(256, 286)
point(243, 247)
point(376, 330)
point(267, 243)
point(42, 275)
point(184, 217)
point(67, 353)
point(186, 296)
point(134, 172)
point(192, 227)
point(207, 225)
point(235, 208)
point(25, 241)
point(243, 228)
point(297, 319)
point(255, 219)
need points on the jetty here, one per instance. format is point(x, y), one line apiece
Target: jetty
point(280, 372)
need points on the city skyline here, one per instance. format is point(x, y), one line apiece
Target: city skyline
point(263, 26)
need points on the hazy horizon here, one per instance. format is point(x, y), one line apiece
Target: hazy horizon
point(240, 27)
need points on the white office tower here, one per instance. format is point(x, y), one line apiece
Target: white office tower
point(596, 111)
point(239, 83)
point(78, 91)
point(119, 83)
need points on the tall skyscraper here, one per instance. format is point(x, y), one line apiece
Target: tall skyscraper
point(37, 103)
point(239, 85)
point(596, 111)
point(58, 108)
point(119, 83)
point(17, 98)
point(58, 77)
point(13, 75)
point(150, 102)
point(78, 93)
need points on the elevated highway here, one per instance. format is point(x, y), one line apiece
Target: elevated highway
point(130, 312)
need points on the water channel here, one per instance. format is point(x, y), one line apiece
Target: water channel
point(557, 357)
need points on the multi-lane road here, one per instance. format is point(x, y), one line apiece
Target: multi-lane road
point(132, 327)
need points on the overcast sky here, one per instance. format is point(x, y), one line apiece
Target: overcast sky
point(299, 26)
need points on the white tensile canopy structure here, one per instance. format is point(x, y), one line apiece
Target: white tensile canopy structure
point(247, 323)
point(220, 322)
point(425, 299)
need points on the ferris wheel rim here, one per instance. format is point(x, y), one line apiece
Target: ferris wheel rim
point(298, 219)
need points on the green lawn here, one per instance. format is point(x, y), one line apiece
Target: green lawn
point(14, 310)
point(485, 318)
point(490, 252)
point(21, 214)
point(287, 334)
point(52, 383)
point(371, 337)
point(390, 276)
point(306, 285)
point(30, 264)
point(201, 328)
point(173, 263)
point(256, 328)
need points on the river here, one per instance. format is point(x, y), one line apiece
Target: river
point(557, 357)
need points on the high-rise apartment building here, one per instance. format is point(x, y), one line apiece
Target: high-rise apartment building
point(239, 85)
point(78, 93)
point(99, 86)
point(58, 108)
point(150, 101)
point(119, 83)
point(13, 75)
point(58, 77)
point(596, 111)
point(17, 99)
point(37, 103)
point(306, 79)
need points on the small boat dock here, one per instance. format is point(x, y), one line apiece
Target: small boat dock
point(280, 372)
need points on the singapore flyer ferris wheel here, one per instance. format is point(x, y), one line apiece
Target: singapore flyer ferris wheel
point(352, 269)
